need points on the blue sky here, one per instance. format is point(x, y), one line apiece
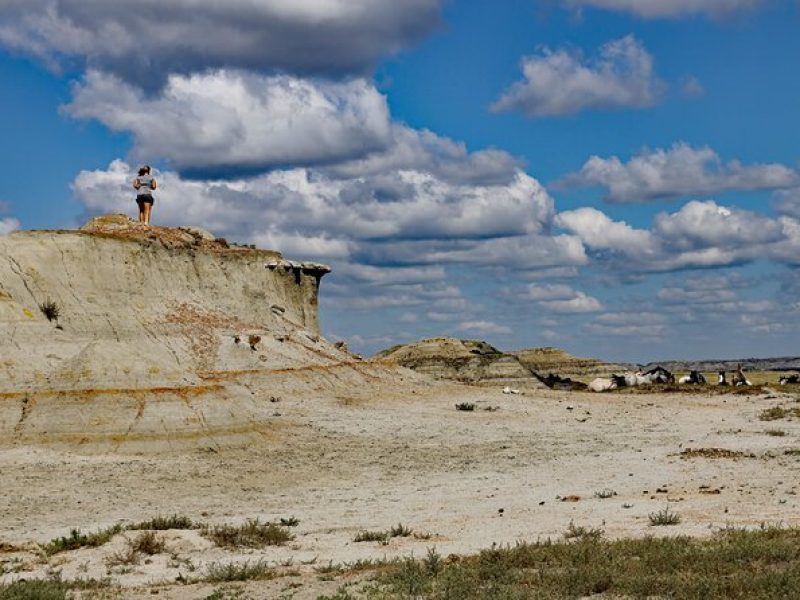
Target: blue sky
point(615, 177)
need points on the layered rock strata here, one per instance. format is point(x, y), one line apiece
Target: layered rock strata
point(119, 334)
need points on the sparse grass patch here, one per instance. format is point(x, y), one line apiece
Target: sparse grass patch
point(664, 517)
point(128, 556)
point(76, 540)
point(290, 521)
point(252, 534)
point(792, 452)
point(731, 564)
point(371, 536)
point(582, 533)
point(219, 572)
point(775, 432)
point(399, 530)
point(48, 589)
point(778, 412)
point(465, 406)
point(35, 590)
point(164, 523)
point(711, 453)
point(605, 493)
point(147, 542)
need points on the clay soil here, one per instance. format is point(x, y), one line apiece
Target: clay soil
point(517, 467)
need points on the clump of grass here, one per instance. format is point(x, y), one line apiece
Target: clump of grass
point(731, 564)
point(399, 530)
point(711, 453)
point(148, 543)
point(219, 572)
point(76, 540)
point(433, 562)
point(465, 406)
point(161, 523)
point(664, 517)
point(371, 536)
point(128, 556)
point(778, 412)
point(252, 534)
point(792, 452)
point(290, 521)
point(52, 588)
point(49, 589)
point(605, 493)
point(582, 533)
point(775, 432)
point(50, 310)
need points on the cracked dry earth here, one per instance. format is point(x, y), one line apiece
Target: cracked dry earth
point(378, 457)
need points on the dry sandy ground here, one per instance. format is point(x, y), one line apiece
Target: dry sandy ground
point(463, 480)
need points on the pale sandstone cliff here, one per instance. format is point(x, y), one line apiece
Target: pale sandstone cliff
point(145, 344)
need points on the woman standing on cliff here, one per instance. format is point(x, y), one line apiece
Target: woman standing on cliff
point(145, 185)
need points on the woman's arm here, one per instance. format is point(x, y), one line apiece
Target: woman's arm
point(136, 184)
point(153, 184)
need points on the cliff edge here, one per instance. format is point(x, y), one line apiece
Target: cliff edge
point(122, 334)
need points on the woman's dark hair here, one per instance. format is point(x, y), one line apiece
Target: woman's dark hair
point(144, 170)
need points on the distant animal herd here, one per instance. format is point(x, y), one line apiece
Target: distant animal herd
point(655, 375)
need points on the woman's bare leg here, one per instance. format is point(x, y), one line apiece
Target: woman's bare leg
point(141, 211)
point(148, 207)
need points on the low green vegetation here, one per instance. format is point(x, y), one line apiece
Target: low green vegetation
point(147, 542)
point(383, 536)
point(733, 564)
point(778, 412)
point(580, 532)
point(164, 523)
point(664, 517)
point(76, 540)
point(219, 572)
point(49, 589)
point(252, 534)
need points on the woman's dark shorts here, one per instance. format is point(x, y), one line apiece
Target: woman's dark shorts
point(145, 198)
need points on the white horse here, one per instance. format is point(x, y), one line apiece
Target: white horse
point(602, 384)
point(693, 378)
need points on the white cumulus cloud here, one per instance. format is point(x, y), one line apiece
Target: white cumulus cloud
point(339, 217)
point(237, 120)
point(484, 328)
point(560, 82)
point(8, 225)
point(678, 171)
point(656, 9)
point(701, 234)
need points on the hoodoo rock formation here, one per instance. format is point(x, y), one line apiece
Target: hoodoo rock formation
point(129, 336)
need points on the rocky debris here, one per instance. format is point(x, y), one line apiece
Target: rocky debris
point(306, 267)
point(199, 233)
point(469, 361)
point(253, 341)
